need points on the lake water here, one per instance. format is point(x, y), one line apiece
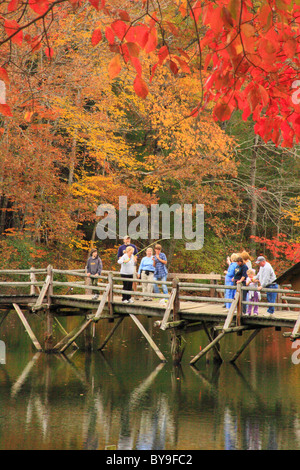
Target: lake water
point(125, 398)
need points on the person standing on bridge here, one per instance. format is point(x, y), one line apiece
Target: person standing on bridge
point(93, 268)
point(266, 277)
point(146, 273)
point(127, 262)
point(240, 277)
point(253, 295)
point(161, 272)
point(232, 265)
point(121, 252)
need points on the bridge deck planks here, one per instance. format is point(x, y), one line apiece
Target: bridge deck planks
point(192, 311)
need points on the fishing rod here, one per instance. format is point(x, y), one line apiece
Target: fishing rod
point(143, 249)
point(153, 243)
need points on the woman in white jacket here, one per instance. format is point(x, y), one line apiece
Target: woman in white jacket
point(127, 262)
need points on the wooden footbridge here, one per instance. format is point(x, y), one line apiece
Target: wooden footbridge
point(194, 302)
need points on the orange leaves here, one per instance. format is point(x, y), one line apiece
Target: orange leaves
point(265, 16)
point(119, 28)
point(5, 110)
point(40, 7)
point(222, 111)
point(196, 11)
point(96, 37)
point(97, 4)
point(4, 75)
point(13, 5)
point(49, 52)
point(133, 49)
point(13, 31)
point(35, 43)
point(109, 34)
point(152, 41)
point(290, 48)
point(114, 67)
point(140, 87)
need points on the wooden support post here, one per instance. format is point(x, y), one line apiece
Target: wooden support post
point(170, 305)
point(70, 338)
point(178, 342)
point(111, 295)
point(239, 304)
point(148, 338)
point(49, 331)
point(296, 330)
point(111, 333)
point(27, 327)
point(217, 355)
point(49, 314)
point(207, 348)
point(33, 289)
point(232, 309)
point(50, 287)
point(176, 304)
point(213, 290)
point(245, 344)
point(62, 329)
point(46, 289)
point(104, 299)
point(88, 336)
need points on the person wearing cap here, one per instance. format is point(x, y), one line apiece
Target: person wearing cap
point(126, 243)
point(267, 277)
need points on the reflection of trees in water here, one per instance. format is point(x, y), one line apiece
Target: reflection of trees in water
point(105, 409)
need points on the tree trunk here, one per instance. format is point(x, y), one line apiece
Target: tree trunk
point(253, 219)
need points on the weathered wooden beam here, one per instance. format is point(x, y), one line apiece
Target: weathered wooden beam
point(110, 294)
point(117, 324)
point(232, 309)
point(148, 338)
point(245, 344)
point(33, 280)
point(103, 301)
point(296, 329)
point(74, 336)
point(171, 324)
point(207, 348)
point(43, 292)
point(170, 306)
point(239, 304)
point(217, 277)
point(27, 327)
point(64, 331)
point(70, 337)
point(216, 349)
point(49, 331)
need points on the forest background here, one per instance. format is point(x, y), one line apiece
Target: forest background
point(79, 135)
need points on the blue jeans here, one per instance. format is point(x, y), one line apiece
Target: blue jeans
point(271, 297)
point(164, 287)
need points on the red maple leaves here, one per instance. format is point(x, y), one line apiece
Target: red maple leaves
point(247, 51)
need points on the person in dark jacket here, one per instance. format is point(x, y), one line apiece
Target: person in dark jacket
point(240, 276)
point(94, 268)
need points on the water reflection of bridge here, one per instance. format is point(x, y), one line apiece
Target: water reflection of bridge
point(147, 416)
point(202, 309)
